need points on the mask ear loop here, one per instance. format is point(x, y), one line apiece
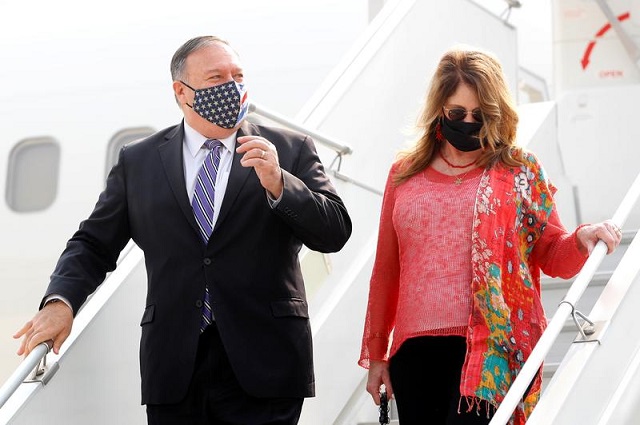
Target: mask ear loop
point(187, 85)
point(194, 90)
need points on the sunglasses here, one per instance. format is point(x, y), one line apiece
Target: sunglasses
point(458, 114)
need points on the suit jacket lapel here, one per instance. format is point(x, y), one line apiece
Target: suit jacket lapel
point(237, 177)
point(171, 156)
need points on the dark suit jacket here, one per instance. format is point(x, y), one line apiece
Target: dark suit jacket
point(250, 263)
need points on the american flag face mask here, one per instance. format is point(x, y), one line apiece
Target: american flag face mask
point(224, 105)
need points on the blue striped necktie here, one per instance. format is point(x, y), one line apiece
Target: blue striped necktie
point(202, 204)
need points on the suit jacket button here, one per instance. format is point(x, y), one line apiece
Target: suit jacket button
point(207, 261)
point(199, 303)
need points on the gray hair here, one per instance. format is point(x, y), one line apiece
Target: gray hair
point(180, 56)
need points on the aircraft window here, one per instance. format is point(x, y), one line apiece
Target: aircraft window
point(32, 174)
point(121, 138)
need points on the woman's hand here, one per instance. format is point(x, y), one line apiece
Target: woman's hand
point(378, 376)
point(589, 235)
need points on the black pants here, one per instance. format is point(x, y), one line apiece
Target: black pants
point(425, 375)
point(216, 398)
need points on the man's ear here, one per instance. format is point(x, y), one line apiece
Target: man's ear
point(179, 92)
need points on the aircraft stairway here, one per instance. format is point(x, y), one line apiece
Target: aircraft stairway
point(368, 100)
point(98, 366)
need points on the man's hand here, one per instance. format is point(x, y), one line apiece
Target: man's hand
point(53, 322)
point(260, 154)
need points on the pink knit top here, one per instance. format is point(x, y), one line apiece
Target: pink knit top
point(434, 215)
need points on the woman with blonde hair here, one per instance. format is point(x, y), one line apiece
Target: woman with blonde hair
point(468, 223)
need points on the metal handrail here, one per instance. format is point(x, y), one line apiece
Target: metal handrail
point(31, 362)
point(368, 188)
point(565, 309)
point(340, 148)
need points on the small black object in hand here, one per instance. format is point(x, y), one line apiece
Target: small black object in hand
point(384, 408)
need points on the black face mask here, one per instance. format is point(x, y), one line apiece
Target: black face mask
point(462, 135)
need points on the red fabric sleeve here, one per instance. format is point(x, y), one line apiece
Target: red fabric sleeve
point(556, 252)
point(383, 288)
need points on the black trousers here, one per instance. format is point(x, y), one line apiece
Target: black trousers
point(216, 398)
point(425, 375)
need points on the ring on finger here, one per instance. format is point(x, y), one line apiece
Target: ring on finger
point(263, 154)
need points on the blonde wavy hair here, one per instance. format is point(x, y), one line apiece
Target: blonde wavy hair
point(483, 73)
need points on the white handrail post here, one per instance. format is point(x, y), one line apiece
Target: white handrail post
point(536, 358)
point(22, 372)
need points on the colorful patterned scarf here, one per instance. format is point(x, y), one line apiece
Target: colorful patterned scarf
point(512, 209)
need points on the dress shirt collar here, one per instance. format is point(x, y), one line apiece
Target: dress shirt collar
point(195, 140)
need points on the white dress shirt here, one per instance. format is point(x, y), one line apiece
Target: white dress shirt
point(194, 154)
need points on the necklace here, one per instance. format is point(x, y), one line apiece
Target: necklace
point(456, 166)
point(457, 180)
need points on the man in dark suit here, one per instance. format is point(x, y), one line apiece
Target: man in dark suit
point(247, 359)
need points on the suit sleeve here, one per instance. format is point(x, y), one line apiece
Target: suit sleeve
point(93, 250)
point(310, 204)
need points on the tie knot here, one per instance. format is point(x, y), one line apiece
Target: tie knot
point(212, 143)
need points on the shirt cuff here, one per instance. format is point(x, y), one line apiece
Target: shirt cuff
point(56, 297)
point(272, 201)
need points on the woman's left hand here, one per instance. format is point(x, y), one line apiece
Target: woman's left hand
point(589, 235)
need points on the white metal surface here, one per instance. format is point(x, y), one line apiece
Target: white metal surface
point(587, 51)
point(597, 135)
